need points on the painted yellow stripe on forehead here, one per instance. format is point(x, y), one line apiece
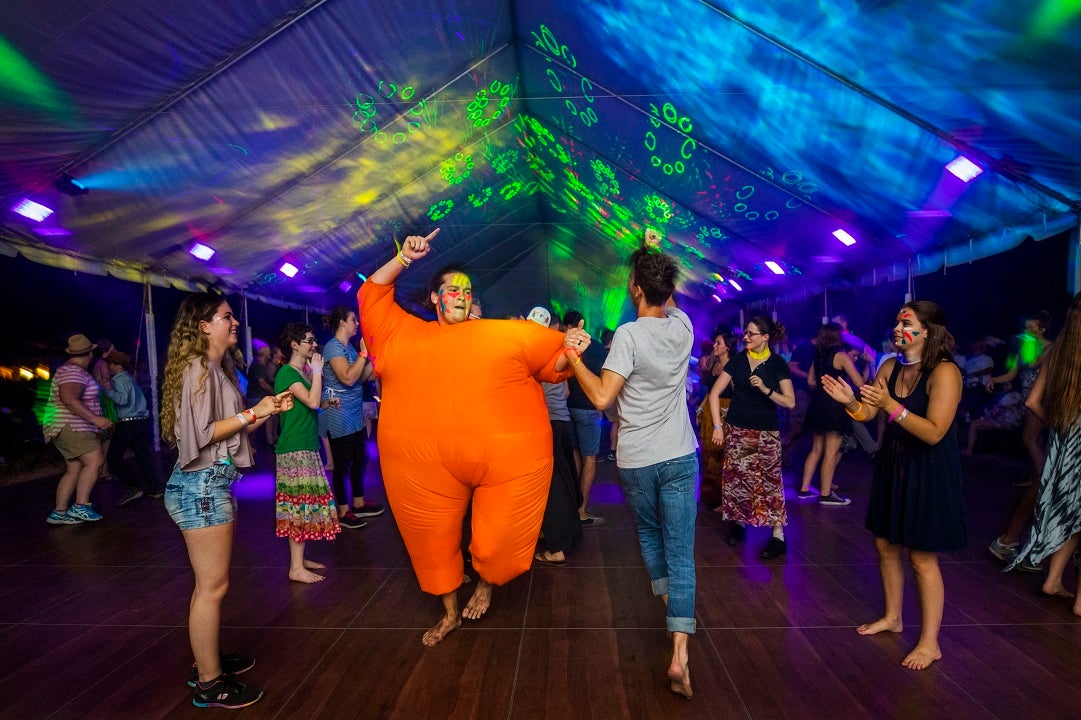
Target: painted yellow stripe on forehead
point(460, 280)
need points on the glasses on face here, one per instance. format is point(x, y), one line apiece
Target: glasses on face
point(748, 333)
point(310, 341)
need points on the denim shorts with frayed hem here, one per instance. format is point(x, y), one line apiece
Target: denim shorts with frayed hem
point(202, 498)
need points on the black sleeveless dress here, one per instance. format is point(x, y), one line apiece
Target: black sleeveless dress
point(916, 494)
point(824, 414)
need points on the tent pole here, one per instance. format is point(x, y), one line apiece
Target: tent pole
point(1073, 270)
point(152, 363)
point(247, 332)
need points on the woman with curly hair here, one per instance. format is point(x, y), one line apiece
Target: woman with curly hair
point(915, 498)
point(305, 505)
point(1056, 400)
point(203, 415)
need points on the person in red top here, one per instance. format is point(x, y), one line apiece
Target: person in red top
point(463, 418)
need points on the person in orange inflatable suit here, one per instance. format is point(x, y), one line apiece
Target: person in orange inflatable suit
point(463, 418)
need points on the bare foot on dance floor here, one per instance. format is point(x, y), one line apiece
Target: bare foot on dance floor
point(441, 629)
point(478, 604)
point(313, 565)
point(921, 657)
point(883, 625)
point(680, 676)
point(1059, 591)
point(305, 576)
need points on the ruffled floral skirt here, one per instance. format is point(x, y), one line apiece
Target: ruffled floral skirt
point(305, 508)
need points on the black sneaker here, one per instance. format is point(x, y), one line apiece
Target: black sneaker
point(834, 500)
point(226, 692)
point(369, 510)
point(806, 494)
point(774, 549)
point(350, 520)
point(230, 665)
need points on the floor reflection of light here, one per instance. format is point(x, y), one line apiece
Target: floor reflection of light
point(257, 484)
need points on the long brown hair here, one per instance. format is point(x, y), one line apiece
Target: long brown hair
point(1062, 392)
point(939, 344)
point(186, 343)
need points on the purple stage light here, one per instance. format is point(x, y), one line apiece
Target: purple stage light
point(346, 286)
point(32, 210)
point(844, 237)
point(51, 231)
point(964, 168)
point(736, 285)
point(201, 251)
point(774, 267)
point(289, 269)
point(716, 298)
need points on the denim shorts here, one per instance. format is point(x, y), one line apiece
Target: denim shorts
point(587, 430)
point(201, 498)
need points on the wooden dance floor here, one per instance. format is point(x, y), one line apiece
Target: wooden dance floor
point(92, 622)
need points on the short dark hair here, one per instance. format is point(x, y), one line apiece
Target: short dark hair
point(571, 318)
point(337, 316)
point(655, 273)
point(436, 280)
point(293, 332)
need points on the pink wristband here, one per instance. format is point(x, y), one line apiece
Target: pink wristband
point(893, 416)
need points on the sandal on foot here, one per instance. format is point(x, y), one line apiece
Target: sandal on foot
point(542, 559)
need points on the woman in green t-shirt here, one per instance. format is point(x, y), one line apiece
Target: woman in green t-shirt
point(304, 503)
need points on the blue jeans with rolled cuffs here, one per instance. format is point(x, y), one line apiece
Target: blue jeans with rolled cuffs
point(202, 498)
point(662, 498)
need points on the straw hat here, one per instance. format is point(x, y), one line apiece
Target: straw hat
point(79, 345)
point(119, 358)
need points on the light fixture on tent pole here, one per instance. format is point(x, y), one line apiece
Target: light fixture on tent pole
point(908, 294)
point(70, 186)
point(825, 304)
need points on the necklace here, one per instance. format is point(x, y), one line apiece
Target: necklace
point(760, 355)
point(901, 359)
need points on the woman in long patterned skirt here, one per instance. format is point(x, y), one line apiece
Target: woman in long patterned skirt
point(1056, 400)
point(753, 493)
point(305, 507)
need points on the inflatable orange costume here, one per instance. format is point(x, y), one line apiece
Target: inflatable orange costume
point(463, 416)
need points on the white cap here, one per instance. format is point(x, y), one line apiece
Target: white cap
point(540, 315)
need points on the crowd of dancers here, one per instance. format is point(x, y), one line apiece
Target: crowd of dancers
point(498, 464)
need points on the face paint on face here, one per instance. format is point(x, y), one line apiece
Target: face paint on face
point(455, 298)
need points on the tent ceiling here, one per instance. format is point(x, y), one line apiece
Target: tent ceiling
point(320, 132)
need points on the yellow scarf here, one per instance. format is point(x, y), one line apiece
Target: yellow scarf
point(758, 355)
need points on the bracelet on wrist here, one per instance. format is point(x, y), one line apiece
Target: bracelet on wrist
point(250, 415)
point(770, 393)
point(853, 413)
point(897, 413)
point(242, 418)
point(405, 262)
point(902, 416)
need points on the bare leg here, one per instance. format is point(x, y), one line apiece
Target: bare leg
point(65, 488)
point(679, 672)
point(893, 580)
point(932, 600)
point(298, 570)
point(811, 463)
point(447, 624)
point(1030, 437)
point(478, 604)
point(830, 457)
point(88, 475)
point(210, 551)
point(1061, 557)
point(1022, 516)
point(589, 474)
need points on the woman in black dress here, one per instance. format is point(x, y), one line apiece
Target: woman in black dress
point(827, 420)
point(916, 495)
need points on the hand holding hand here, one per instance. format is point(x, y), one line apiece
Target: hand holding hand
point(284, 401)
point(577, 338)
point(417, 246)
